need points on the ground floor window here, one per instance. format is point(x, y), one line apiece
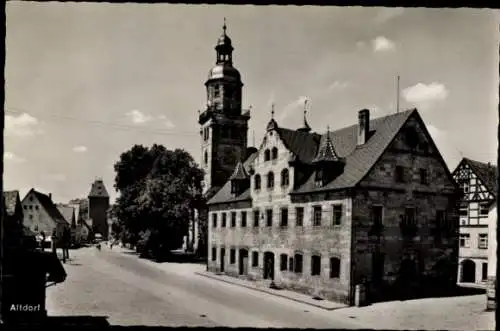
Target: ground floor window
point(255, 259)
point(334, 267)
point(315, 265)
point(214, 253)
point(283, 262)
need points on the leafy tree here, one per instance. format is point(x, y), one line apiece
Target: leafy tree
point(158, 191)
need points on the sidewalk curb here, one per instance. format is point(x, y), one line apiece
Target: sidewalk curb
point(268, 292)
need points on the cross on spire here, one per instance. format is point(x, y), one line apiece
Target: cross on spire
point(305, 107)
point(272, 110)
point(224, 27)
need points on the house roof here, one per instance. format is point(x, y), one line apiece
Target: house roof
point(359, 159)
point(224, 194)
point(239, 172)
point(49, 206)
point(326, 151)
point(487, 173)
point(98, 190)
point(11, 200)
point(67, 212)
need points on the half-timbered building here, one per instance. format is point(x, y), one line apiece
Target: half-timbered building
point(477, 212)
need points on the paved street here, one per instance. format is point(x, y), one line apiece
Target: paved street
point(131, 291)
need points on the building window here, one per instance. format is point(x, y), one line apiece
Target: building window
point(31, 217)
point(464, 240)
point(409, 223)
point(298, 263)
point(256, 216)
point(484, 209)
point(299, 216)
point(315, 265)
point(290, 264)
point(31, 207)
point(317, 215)
point(233, 219)
point(243, 219)
point(270, 180)
point(483, 241)
point(283, 262)
point(424, 177)
point(25, 207)
point(274, 153)
point(214, 220)
point(285, 180)
point(337, 214)
point(334, 267)
point(36, 227)
point(214, 253)
point(484, 273)
point(284, 217)
point(463, 209)
point(400, 174)
point(267, 155)
point(255, 259)
point(257, 182)
point(36, 207)
point(224, 220)
point(232, 256)
point(216, 91)
point(377, 212)
point(269, 217)
point(205, 157)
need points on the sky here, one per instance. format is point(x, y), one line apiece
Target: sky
point(87, 81)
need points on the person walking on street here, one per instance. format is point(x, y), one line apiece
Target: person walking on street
point(42, 242)
point(54, 242)
point(66, 238)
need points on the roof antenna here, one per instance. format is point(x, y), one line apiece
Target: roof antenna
point(397, 95)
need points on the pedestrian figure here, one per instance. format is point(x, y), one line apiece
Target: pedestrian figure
point(42, 242)
point(54, 241)
point(65, 243)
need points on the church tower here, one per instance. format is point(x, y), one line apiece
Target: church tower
point(224, 124)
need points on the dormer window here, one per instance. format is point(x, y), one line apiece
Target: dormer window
point(267, 155)
point(234, 187)
point(274, 153)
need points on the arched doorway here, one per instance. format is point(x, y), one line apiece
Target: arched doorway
point(243, 261)
point(408, 278)
point(468, 271)
point(269, 265)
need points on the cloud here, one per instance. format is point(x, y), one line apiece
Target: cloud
point(138, 117)
point(294, 105)
point(382, 44)
point(11, 157)
point(338, 85)
point(424, 94)
point(168, 123)
point(21, 126)
point(386, 14)
point(55, 177)
point(79, 149)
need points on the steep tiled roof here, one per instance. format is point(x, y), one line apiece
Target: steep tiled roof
point(487, 173)
point(326, 151)
point(98, 190)
point(47, 204)
point(302, 144)
point(225, 195)
point(359, 159)
point(239, 172)
point(11, 199)
point(67, 212)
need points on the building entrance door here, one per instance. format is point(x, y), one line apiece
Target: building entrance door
point(243, 261)
point(222, 258)
point(269, 265)
point(468, 271)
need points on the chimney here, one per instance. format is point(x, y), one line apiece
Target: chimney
point(363, 126)
point(50, 196)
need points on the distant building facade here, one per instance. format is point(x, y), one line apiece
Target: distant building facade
point(41, 214)
point(477, 212)
point(12, 223)
point(98, 208)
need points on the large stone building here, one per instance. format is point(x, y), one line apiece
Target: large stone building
point(477, 212)
point(98, 207)
point(371, 203)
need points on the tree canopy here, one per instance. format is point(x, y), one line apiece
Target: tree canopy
point(158, 188)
